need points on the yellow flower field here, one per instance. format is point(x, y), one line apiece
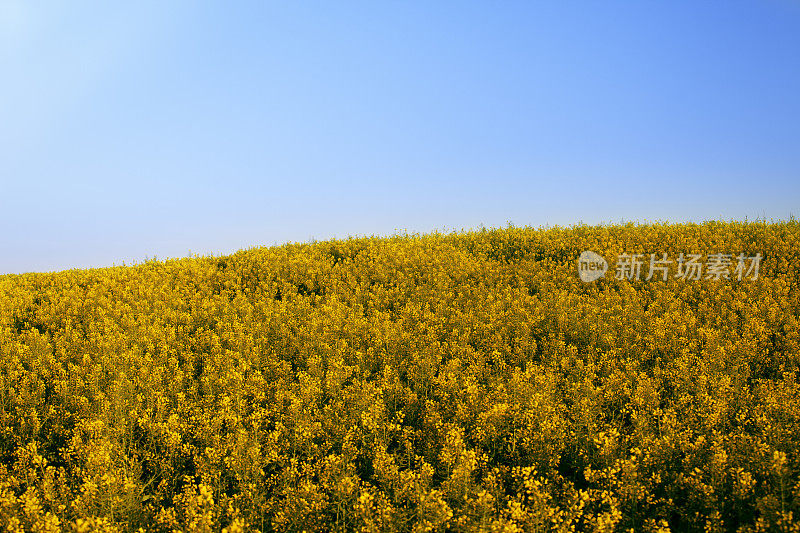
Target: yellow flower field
point(467, 381)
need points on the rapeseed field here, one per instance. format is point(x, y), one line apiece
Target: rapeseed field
point(465, 381)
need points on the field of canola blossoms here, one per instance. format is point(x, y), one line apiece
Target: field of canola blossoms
point(447, 382)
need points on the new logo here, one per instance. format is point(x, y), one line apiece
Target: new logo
point(591, 266)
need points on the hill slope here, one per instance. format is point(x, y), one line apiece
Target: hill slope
point(461, 382)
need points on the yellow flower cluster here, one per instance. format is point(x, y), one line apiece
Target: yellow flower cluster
point(446, 382)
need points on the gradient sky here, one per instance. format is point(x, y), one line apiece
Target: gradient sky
point(164, 128)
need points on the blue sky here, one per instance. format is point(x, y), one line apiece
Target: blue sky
point(141, 129)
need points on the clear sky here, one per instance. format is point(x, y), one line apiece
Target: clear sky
point(137, 129)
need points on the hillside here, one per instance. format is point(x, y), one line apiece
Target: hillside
point(461, 382)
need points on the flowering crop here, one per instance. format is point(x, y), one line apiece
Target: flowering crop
point(444, 382)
